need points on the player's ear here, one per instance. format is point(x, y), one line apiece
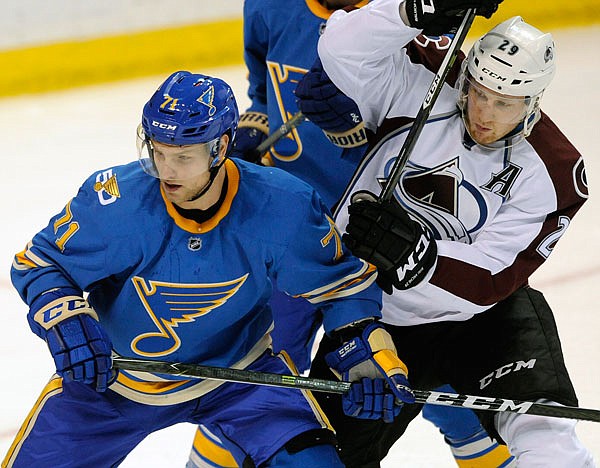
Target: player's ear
point(223, 145)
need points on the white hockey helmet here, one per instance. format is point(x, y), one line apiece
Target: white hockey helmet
point(514, 59)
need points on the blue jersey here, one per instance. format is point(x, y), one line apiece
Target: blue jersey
point(168, 288)
point(280, 45)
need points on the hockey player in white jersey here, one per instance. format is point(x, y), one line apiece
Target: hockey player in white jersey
point(173, 259)
point(277, 53)
point(491, 186)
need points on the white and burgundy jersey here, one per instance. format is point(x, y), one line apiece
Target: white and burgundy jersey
point(496, 214)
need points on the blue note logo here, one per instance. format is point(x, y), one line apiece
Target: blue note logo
point(207, 99)
point(172, 305)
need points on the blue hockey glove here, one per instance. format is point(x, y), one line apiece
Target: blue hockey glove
point(383, 234)
point(79, 345)
point(370, 355)
point(253, 129)
point(371, 399)
point(330, 109)
point(436, 17)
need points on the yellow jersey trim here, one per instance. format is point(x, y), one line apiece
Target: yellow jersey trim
point(54, 387)
point(321, 11)
point(233, 183)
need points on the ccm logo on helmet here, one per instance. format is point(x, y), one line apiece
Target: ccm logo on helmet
point(489, 72)
point(163, 125)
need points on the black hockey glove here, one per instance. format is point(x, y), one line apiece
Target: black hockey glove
point(331, 110)
point(437, 17)
point(383, 234)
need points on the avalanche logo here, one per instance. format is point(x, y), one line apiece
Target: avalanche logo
point(435, 196)
point(170, 304)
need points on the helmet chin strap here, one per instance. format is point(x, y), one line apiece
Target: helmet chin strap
point(213, 174)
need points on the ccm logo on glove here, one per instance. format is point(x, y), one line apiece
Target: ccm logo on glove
point(62, 308)
point(346, 349)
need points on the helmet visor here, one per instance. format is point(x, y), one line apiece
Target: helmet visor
point(493, 106)
point(490, 117)
point(175, 162)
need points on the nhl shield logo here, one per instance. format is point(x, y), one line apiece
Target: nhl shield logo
point(194, 244)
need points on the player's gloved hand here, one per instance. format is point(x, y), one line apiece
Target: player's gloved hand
point(253, 129)
point(79, 345)
point(330, 109)
point(371, 399)
point(368, 358)
point(437, 17)
point(383, 234)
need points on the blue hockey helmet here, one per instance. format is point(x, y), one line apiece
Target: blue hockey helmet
point(187, 109)
point(190, 108)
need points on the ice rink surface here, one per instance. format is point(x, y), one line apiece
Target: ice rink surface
point(50, 143)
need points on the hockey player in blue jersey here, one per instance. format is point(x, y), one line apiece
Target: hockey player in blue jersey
point(172, 259)
point(280, 43)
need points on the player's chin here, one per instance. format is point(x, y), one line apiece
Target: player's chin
point(483, 136)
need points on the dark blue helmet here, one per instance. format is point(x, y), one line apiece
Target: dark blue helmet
point(190, 108)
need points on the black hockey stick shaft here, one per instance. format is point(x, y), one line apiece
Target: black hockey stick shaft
point(227, 374)
point(196, 371)
point(421, 118)
point(278, 134)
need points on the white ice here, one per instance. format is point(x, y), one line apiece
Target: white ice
point(50, 143)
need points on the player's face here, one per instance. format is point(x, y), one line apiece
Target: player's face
point(183, 170)
point(490, 115)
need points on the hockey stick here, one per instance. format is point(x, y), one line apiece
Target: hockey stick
point(196, 371)
point(278, 134)
point(430, 98)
